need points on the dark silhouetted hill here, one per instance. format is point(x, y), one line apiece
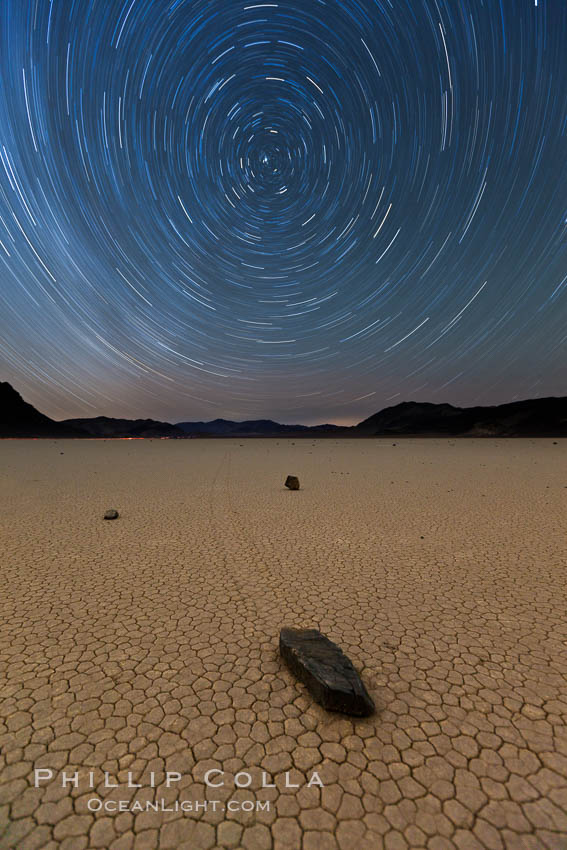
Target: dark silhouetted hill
point(252, 428)
point(542, 417)
point(20, 419)
point(105, 426)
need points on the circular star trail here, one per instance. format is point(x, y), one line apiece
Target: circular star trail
point(306, 209)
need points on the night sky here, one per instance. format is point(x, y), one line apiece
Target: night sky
point(301, 210)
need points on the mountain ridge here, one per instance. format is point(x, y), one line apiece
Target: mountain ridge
point(546, 417)
point(529, 417)
point(108, 426)
point(20, 419)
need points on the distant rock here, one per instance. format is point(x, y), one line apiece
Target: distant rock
point(326, 671)
point(292, 482)
point(111, 514)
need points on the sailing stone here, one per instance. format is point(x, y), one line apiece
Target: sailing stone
point(326, 671)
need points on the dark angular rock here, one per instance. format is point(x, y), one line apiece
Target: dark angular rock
point(111, 514)
point(292, 482)
point(326, 671)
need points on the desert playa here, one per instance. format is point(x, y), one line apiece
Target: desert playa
point(149, 644)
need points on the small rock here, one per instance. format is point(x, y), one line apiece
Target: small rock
point(292, 482)
point(111, 514)
point(326, 671)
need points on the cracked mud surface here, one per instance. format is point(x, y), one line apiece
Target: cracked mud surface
point(149, 644)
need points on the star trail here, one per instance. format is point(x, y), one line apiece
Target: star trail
point(307, 210)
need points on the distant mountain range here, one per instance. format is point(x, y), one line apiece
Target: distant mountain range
point(252, 428)
point(104, 426)
point(543, 417)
